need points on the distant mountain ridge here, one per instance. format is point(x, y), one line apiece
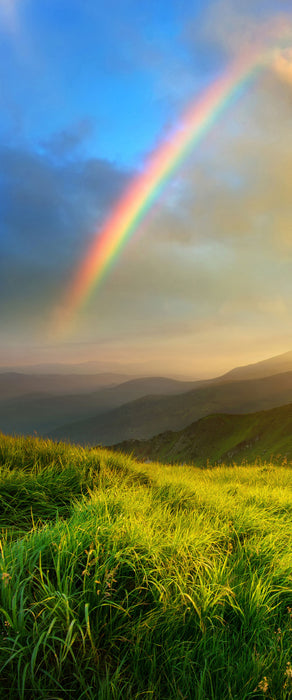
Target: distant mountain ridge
point(150, 415)
point(109, 407)
point(42, 410)
point(265, 368)
point(62, 368)
point(221, 438)
point(272, 365)
point(14, 384)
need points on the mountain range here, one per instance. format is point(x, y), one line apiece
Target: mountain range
point(44, 406)
point(109, 408)
point(150, 415)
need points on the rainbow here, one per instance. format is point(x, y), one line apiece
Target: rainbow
point(140, 195)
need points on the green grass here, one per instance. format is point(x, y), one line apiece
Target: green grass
point(122, 580)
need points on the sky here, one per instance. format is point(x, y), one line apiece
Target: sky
point(89, 93)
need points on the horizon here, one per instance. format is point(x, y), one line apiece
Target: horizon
point(116, 369)
point(91, 98)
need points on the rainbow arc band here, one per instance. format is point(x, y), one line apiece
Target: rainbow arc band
point(124, 219)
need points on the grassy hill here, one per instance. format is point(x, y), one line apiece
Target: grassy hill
point(221, 437)
point(150, 415)
point(126, 581)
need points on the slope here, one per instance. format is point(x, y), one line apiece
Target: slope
point(148, 416)
point(266, 368)
point(221, 438)
point(126, 581)
point(41, 412)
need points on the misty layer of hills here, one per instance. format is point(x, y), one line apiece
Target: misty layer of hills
point(44, 407)
point(150, 415)
point(107, 408)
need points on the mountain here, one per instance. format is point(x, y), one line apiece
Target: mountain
point(14, 384)
point(150, 415)
point(221, 438)
point(40, 411)
point(266, 368)
point(92, 367)
point(98, 407)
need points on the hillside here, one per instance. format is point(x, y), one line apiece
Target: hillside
point(266, 368)
point(266, 435)
point(129, 581)
point(148, 416)
point(40, 411)
point(38, 402)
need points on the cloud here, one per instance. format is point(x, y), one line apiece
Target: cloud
point(236, 27)
point(214, 256)
point(65, 143)
point(282, 65)
point(210, 266)
point(50, 212)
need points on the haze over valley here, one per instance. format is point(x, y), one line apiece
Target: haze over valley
point(65, 406)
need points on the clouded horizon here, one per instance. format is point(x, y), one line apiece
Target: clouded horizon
point(89, 92)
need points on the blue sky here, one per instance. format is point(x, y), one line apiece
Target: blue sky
point(88, 90)
point(107, 65)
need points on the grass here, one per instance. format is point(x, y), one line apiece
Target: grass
point(122, 580)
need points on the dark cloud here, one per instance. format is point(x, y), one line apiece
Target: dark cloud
point(65, 143)
point(50, 210)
